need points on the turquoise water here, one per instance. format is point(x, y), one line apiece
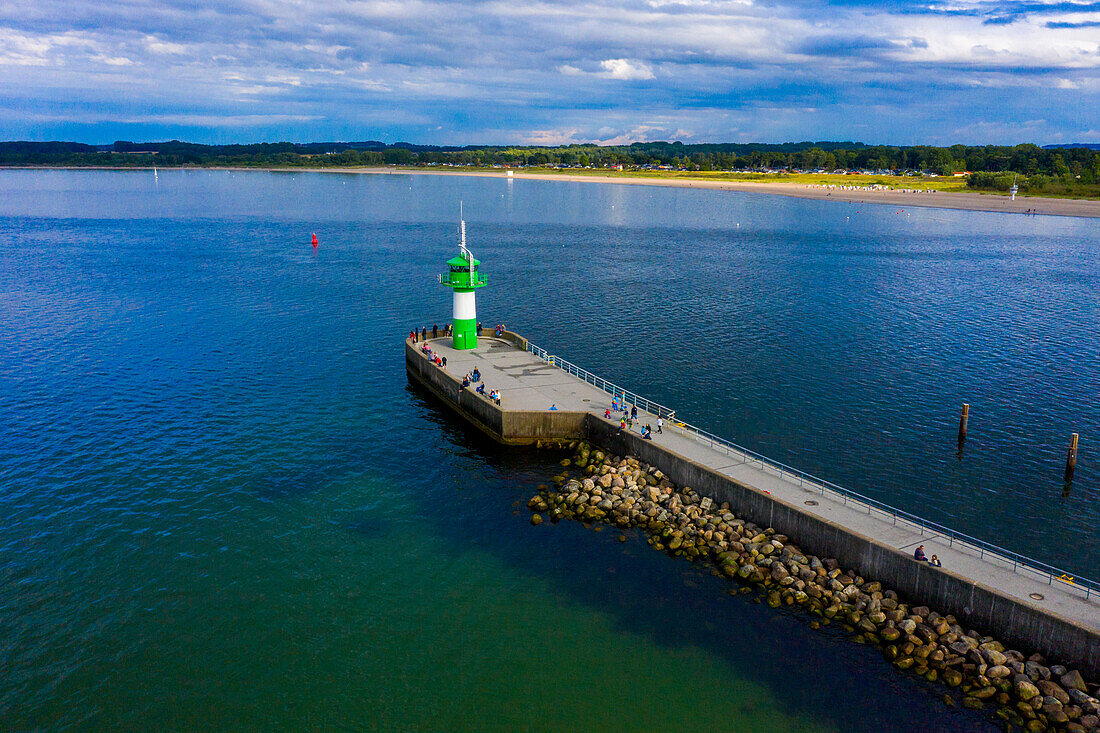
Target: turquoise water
point(225, 507)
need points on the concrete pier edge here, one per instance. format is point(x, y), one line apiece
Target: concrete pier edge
point(1025, 626)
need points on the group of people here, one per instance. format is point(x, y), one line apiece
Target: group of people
point(630, 416)
point(422, 334)
point(439, 361)
point(919, 556)
point(474, 377)
point(499, 330)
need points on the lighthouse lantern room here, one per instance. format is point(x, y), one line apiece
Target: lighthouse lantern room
point(463, 278)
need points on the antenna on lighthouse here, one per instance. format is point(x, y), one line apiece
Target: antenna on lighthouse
point(462, 237)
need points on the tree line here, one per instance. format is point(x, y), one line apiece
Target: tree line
point(1065, 171)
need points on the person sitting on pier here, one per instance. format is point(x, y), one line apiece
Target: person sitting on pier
point(500, 330)
point(935, 562)
point(607, 414)
point(554, 406)
point(918, 554)
point(465, 383)
point(647, 432)
point(497, 398)
point(622, 423)
point(480, 388)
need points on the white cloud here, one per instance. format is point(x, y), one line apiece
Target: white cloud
point(626, 69)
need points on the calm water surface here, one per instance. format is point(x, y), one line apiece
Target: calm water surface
point(223, 505)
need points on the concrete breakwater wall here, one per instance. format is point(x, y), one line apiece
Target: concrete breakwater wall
point(1018, 624)
point(511, 427)
point(1012, 620)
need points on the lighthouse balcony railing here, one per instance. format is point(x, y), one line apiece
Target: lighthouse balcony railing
point(446, 279)
point(1013, 561)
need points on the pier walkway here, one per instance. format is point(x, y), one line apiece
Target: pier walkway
point(529, 383)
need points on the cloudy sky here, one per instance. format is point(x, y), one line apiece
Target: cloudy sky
point(551, 71)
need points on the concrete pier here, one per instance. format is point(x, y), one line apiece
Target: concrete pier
point(1021, 604)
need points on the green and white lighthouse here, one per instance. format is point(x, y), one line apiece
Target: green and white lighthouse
point(463, 277)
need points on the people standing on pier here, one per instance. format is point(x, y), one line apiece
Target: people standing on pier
point(424, 332)
point(444, 364)
point(435, 330)
point(634, 412)
point(660, 424)
point(412, 335)
point(476, 375)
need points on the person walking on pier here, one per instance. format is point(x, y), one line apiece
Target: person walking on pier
point(660, 424)
point(634, 412)
point(444, 364)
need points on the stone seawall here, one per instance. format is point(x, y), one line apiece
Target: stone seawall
point(1019, 624)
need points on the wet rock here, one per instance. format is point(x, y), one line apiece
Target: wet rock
point(536, 519)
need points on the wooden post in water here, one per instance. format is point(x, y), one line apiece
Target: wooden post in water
point(1071, 457)
point(963, 421)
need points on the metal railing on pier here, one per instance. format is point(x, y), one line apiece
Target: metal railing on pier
point(1016, 562)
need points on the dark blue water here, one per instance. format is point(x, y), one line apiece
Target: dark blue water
point(223, 506)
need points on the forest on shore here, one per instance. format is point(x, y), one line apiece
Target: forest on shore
point(1053, 171)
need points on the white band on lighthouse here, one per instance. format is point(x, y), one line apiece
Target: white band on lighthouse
point(464, 308)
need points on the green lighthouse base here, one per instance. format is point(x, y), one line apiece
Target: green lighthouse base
point(464, 334)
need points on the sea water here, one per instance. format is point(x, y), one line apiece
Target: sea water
point(223, 506)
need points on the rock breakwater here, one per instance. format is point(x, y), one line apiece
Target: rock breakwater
point(1027, 691)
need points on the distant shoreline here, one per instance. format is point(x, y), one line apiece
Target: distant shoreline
point(929, 199)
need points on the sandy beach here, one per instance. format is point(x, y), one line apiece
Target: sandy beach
point(933, 199)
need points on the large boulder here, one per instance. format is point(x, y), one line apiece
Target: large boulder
point(1073, 680)
point(1025, 690)
point(1051, 689)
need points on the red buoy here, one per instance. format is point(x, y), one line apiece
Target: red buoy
point(315, 241)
